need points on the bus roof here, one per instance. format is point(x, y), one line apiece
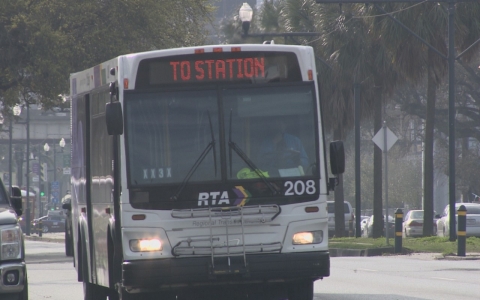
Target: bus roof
point(100, 75)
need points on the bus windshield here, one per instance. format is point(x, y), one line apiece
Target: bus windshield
point(222, 134)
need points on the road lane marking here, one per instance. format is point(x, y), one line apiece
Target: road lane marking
point(442, 278)
point(368, 270)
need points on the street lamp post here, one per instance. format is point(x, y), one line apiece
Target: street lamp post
point(27, 172)
point(246, 15)
point(46, 147)
point(16, 112)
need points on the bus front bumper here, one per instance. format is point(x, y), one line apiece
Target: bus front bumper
point(198, 271)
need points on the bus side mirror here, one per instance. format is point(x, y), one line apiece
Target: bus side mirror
point(337, 157)
point(16, 200)
point(114, 118)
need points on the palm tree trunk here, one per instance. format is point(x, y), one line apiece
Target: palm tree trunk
point(339, 199)
point(428, 149)
point(377, 168)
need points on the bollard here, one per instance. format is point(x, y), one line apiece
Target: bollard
point(398, 230)
point(40, 228)
point(461, 230)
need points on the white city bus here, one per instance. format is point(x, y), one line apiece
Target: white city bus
point(201, 170)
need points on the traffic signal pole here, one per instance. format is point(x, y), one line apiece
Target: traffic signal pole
point(42, 183)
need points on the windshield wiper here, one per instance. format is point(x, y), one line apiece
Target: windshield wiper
point(233, 146)
point(197, 163)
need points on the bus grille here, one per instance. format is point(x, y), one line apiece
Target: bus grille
point(265, 210)
point(231, 217)
point(186, 248)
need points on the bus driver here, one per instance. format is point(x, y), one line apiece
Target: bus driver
point(281, 152)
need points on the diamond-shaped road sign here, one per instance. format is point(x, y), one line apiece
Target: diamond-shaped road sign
point(378, 138)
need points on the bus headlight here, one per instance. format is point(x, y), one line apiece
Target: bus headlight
point(145, 245)
point(11, 241)
point(308, 237)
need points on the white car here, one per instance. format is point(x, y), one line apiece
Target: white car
point(413, 223)
point(363, 223)
point(473, 220)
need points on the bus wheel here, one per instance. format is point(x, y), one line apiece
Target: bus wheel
point(68, 243)
point(68, 246)
point(90, 291)
point(301, 290)
point(93, 292)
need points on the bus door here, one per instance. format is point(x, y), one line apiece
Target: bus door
point(101, 187)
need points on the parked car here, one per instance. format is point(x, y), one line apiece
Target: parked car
point(473, 220)
point(363, 223)
point(368, 231)
point(49, 223)
point(413, 223)
point(13, 270)
point(349, 217)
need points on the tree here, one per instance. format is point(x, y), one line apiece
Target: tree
point(468, 117)
point(357, 56)
point(41, 42)
point(360, 44)
point(426, 19)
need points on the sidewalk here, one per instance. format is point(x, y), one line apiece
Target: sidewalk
point(55, 237)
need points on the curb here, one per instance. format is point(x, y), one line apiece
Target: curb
point(43, 239)
point(336, 252)
point(454, 257)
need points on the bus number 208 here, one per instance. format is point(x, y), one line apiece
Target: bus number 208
point(299, 187)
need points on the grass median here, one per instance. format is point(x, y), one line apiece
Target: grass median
point(431, 244)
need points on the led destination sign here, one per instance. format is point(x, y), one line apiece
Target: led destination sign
point(218, 69)
point(256, 67)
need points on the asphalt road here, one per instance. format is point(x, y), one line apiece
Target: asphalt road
point(411, 277)
point(51, 274)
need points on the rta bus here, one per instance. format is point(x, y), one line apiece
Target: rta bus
point(200, 173)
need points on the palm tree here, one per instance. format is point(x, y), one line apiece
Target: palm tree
point(347, 45)
point(373, 49)
point(415, 59)
point(427, 21)
point(357, 57)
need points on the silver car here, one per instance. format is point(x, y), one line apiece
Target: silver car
point(349, 217)
point(390, 226)
point(473, 220)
